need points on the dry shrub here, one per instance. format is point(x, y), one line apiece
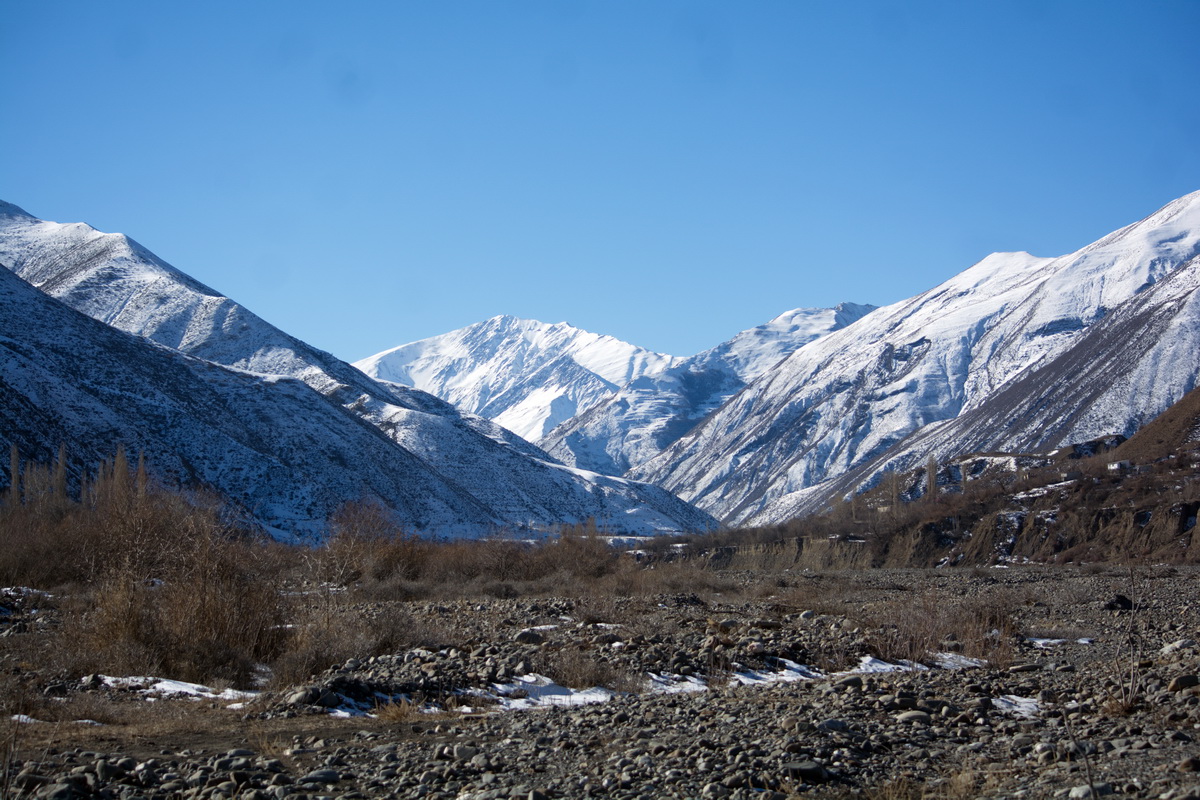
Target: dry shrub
point(328, 634)
point(212, 612)
point(578, 552)
point(371, 554)
point(367, 543)
point(584, 669)
point(169, 585)
point(911, 629)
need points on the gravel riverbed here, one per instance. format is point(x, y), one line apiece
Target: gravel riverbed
point(792, 686)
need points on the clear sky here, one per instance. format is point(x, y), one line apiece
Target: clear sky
point(363, 174)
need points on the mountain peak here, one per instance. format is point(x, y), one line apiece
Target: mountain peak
point(526, 375)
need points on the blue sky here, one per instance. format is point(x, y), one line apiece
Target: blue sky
point(363, 174)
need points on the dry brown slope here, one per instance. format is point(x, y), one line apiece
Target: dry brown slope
point(1179, 425)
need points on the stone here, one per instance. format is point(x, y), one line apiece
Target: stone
point(321, 776)
point(60, 791)
point(1181, 682)
point(1119, 602)
point(464, 752)
point(303, 697)
point(1176, 646)
point(914, 716)
point(529, 636)
point(1095, 790)
point(806, 771)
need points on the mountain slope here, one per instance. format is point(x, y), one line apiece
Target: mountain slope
point(650, 413)
point(853, 395)
point(113, 279)
point(1118, 376)
point(271, 445)
point(526, 375)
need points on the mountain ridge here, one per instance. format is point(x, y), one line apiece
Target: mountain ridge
point(642, 418)
point(111, 278)
point(852, 395)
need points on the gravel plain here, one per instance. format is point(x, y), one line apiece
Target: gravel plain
point(1091, 687)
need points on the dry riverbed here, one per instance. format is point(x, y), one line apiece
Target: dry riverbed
point(1022, 682)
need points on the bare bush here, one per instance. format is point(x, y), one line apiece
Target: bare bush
point(212, 613)
point(912, 629)
point(329, 632)
point(584, 669)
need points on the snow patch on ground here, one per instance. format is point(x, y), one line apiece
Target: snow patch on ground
point(533, 691)
point(164, 687)
point(1026, 707)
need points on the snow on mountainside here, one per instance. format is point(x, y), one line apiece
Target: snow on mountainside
point(271, 445)
point(113, 279)
point(525, 375)
point(1118, 376)
point(1016, 351)
point(650, 413)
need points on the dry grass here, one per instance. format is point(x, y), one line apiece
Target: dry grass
point(331, 631)
point(956, 784)
point(821, 594)
point(399, 711)
point(584, 669)
point(10, 739)
point(913, 628)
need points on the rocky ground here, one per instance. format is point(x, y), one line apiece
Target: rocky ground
point(1090, 688)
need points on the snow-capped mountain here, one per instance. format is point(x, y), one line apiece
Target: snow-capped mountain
point(113, 279)
point(526, 375)
point(1015, 352)
point(650, 413)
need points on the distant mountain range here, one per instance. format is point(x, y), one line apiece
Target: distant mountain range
point(1016, 354)
point(593, 401)
point(339, 436)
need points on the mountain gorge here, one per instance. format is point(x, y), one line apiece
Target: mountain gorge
point(486, 475)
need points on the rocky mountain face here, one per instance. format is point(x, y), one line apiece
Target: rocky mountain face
point(1015, 353)
point(488, 475)
point(647, 415)
point(525, 375)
